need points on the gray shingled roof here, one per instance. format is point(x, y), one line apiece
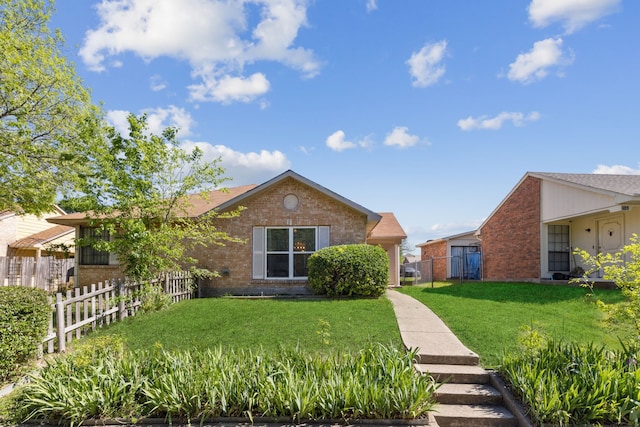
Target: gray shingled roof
point(622, 184)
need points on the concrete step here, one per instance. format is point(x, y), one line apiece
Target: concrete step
point(441, 356)
point(468, 394)
point(458, 374)
point(474, 415)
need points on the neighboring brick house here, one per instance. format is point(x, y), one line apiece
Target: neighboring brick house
point(532, 233)
point(453, 257)
point(285, 220)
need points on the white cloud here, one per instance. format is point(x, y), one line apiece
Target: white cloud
point(244, 168)
point(425, 66)
point(572, 14)
point(399, 137)
point(118, 119)
point(336, 141)
point(495, 123)
point(209, 34)
point(228, 89)
point(158, 119)
point(157, 83)
point(616, 170)
point(372, 5)
point(536, 64)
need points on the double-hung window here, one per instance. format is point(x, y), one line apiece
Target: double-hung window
point(283, 252)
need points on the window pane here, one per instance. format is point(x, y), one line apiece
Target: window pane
point(277, 265)
point(278, 239)
point(300, 268)
point(90, 256)
point(558, 248)
point(304, 239)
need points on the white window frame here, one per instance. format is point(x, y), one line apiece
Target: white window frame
point(260, 253)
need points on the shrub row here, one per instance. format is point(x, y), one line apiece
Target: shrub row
point(353, 270)
point(570, 384)
point(378, 382)
point(24, 316)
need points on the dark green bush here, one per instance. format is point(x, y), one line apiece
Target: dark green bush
point(24, 317)
point(353, 270)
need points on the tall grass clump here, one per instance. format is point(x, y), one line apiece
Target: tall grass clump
point(376, 383)
point(564, 383)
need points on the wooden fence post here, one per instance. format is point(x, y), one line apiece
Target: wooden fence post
point(62, 339)
point(122, 307)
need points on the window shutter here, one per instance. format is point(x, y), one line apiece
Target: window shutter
point(323, 236)
point(258, 252)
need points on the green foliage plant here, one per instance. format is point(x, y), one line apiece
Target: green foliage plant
point(141, 191)
point(24, 317)
point(47, 120)
point(563, 383)
point(351, 270)
point(379, 382)
point(623, 268)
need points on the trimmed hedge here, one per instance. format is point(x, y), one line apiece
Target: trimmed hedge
point(24, 317)
point(353, 270)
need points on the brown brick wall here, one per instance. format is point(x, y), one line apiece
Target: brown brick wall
point(93, 274)
point(266, 209)
point(437, 250)
point(511, 238)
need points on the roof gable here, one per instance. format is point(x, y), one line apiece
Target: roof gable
point(371, 216)
point(387, 228)
point(625, 188)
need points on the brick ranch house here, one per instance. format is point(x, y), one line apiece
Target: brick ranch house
point(285, 220)
point(533, 232)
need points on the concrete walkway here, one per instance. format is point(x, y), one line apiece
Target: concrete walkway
point(468, 395)
point(421, 329)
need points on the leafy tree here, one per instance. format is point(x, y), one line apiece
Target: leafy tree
point(140, 194)
point(47, 120)
point(623, 268)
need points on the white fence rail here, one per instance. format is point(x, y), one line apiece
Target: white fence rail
point(78, 311)
point(48, 273)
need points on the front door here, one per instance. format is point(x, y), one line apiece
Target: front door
point(610, 235)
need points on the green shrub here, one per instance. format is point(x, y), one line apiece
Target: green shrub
point(24, 316)
point(354, 270)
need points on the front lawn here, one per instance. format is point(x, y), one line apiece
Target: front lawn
point(315, 325)
point(208, 358)
point(489, 318)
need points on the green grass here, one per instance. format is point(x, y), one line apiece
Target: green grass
point(347, 325)
point(489, 317)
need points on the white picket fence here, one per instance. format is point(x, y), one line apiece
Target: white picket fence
point(81, 310)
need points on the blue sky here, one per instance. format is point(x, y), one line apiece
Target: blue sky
point(432, 110)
